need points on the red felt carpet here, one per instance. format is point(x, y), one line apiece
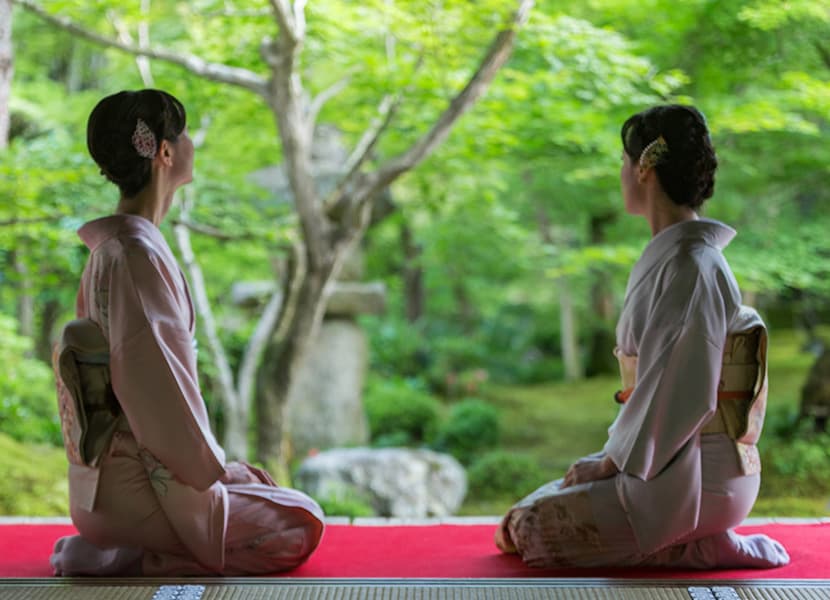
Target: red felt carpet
point(440, 551)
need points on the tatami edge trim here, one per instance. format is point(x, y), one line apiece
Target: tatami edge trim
point(35, 521)
point(414, 582)
point(397, 521)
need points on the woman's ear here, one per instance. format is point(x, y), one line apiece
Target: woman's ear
point(165, 153)
point(643, 173)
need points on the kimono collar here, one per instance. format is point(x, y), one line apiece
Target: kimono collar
point(94, 233)
point(706, 231)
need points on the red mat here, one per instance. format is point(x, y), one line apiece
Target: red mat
point(440, 551)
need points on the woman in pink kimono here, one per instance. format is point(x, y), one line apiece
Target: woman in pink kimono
point(149, 488)
point(680, 468)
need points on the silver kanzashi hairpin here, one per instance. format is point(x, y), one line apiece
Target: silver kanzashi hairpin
point(651, 154)
point(144, 140)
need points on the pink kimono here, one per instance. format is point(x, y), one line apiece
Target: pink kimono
point(149, 489)
point(685, 448)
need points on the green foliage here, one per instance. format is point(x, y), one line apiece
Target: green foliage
point(503, 474)
point(397, 347)
point(795, 458)
point(455, 364)
point(34, 479)
point(471, 428)
point(399, 412)
point(346, 503)
point(28, 407)
point(778, 506)
point(796, 467)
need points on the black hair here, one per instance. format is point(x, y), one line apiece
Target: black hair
point(111, 126)
point(687, 170)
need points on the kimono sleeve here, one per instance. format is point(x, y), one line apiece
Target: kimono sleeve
point(154, 369)
point(678, 371)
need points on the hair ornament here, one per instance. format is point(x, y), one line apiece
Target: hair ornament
point(144, 140)
point(651, 154)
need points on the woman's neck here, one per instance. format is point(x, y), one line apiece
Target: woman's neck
point(664, 213)
point(150, 203)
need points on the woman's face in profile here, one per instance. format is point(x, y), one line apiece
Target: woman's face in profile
point(630, 185)
point(182, 159)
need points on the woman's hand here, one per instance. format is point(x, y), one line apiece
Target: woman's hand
point(590, 469)
point(242, 472)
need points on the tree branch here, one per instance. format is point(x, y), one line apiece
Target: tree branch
point(496, 56)
point(210, 231)
point(386, 112)
point(212, 71)
point(367, 142)
point(286, 98)
point(257, 343)
point(225, 373)
point(29, 220)
point(320, 100)
point(287, 21)
point(142, 62)
point(227, 12)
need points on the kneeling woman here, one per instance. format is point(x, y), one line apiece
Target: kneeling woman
point(680, 468)
point(149, 489)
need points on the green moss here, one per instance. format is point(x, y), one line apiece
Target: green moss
point(557, 422)
point(790, 507)
point(34, 481)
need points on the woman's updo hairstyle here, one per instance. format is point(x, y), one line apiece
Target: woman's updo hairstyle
point(686, 163)
point(111, 129)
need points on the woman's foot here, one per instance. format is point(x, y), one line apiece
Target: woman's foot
point(757, 551)
point(502, 537)
point(73, 555)
point(503, 541)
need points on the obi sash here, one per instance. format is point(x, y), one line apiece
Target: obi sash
point(89, 411)
point(742, 388)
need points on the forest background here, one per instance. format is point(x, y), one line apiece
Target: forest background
point(490, 211)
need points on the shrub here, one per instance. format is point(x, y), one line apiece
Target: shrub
point(455, 360)
point(523, 345)
point(28, 404)
point(400, 412)
point(396, 347)
point(472, 426)
point(796, 467)
point(502, 474)
point(346, 503)
point(34, 479)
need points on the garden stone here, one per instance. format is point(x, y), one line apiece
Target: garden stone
point(396, 482)
point(325, 402)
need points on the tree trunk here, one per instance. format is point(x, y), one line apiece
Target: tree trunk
point(73, 79)
point(570, 339)
point(25, 300)
point(301, 314)
point(49, 317)
point(413, 275)
point(603, 338)
point(6, 70)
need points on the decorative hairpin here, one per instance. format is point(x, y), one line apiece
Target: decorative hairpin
point(652, 153)
point(144, 140)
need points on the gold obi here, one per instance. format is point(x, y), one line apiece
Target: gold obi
point(89, 411)
point(742, 392)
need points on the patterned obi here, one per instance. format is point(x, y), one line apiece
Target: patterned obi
point(89, 411)
point(742, 392)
